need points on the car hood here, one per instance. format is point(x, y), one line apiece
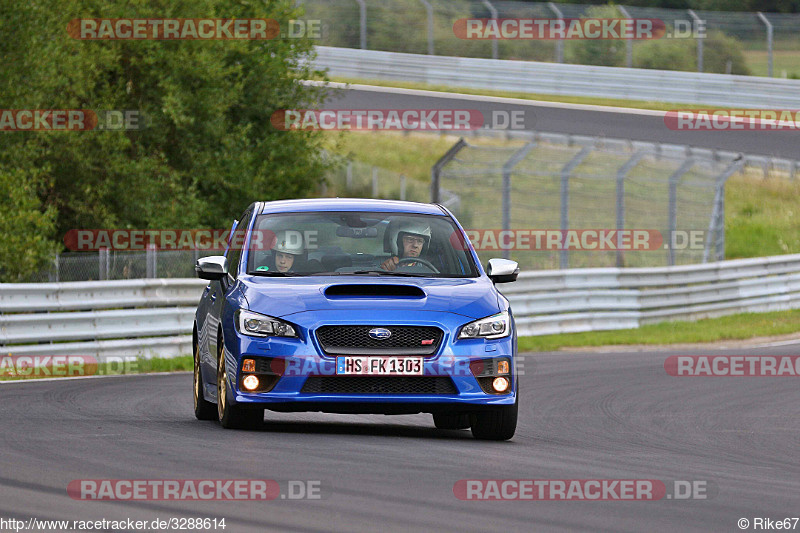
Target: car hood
point(281, 297)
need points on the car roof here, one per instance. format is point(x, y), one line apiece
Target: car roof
point(349, 204)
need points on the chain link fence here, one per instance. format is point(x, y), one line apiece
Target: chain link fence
point(349, 179)
point(765, 44)
point(552, 183)
point(115, 264)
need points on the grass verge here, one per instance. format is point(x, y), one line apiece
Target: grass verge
point(9, 372)
point(733, 327)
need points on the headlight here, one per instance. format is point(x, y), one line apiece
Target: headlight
point(491, 327)
point(256, 325)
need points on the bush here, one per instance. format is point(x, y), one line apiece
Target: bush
point(681, 54)
point(603, 52)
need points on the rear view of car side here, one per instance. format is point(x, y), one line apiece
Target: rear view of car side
point(355, 306)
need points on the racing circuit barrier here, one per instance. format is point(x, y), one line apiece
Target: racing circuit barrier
point(154, 317)
point(563, 79)
point(142, 317)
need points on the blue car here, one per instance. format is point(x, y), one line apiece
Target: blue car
point(355, 306)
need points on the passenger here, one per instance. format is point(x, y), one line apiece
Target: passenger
point(288, 250)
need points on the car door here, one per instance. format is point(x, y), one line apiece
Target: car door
point(217, 294)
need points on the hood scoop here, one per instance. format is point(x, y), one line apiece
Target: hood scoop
point(378, 290)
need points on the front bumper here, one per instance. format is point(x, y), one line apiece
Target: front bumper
point(297, 360)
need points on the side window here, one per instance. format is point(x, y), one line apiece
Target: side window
point(236, 245)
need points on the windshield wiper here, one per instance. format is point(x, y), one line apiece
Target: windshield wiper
point(386, 273)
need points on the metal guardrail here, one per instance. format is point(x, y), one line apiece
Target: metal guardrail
point(562, 79)
point(143, 317)
point(154, 317)
point(574, 300)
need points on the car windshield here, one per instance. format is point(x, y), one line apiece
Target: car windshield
point(358, 243)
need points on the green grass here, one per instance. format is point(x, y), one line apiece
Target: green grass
point(393, 151)
point(762, 217)
point(788, 60)
point(741, 326)
point(138, 366)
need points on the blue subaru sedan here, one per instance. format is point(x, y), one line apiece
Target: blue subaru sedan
point(355, 306)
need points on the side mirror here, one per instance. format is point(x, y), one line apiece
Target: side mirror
point(502, 270)
point(212, 268)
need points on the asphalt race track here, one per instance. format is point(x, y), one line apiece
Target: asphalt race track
point(575, 119)
point(583, 416)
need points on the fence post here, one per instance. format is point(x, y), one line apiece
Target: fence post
point(102, 264)
point(768, 24)
point(436, 169)
point(58, 269)
point(717, 223)
point(402, 186)
point(698, 20)
point(628, 42)
point(151, 260)
point(508, 167)
point(576, 160)
point(348, 180)
point(374, 182)
point(559, 42)
point(672, 223)
point(362, 9)
point(493, 11)
point(429, 9)
point(621, 174)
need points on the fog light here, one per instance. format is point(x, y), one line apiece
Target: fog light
point(249, 365)
point(251, 382)
point(502, 367)
point(499, 384)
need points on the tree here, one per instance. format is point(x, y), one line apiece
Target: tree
point(208, 148)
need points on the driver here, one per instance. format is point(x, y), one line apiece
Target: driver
point(412, 240)
point(287, 250)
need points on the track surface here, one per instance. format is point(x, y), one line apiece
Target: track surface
point(583, 416)
point(578, 120)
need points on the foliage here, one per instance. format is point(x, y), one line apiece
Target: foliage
point(208, 148)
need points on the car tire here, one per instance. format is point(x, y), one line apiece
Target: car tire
point(203, 409)
point(449, 421)
point(232, 416)
point(499, 423)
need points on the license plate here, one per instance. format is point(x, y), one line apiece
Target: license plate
point(372, 365)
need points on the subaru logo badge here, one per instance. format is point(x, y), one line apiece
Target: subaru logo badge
point(380, 333)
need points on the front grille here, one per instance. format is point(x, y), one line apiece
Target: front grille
point(379, 385)
point(355, 340)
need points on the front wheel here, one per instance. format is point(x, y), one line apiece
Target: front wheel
point(232, 416)
point(499, 423)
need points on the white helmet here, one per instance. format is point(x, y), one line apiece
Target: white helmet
point(417, 228)
point(289, 242)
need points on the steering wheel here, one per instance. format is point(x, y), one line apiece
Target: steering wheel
point(424, 263)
